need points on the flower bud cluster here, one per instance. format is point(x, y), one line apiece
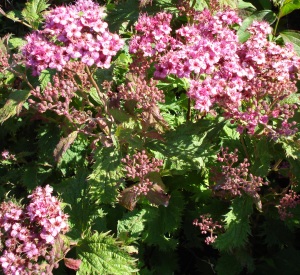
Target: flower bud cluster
point(56, 97)
point(208, 226)
point(138, 167)
point(3, 61)
point(247, 80)
point(72, 32)
point(146, 95)
point(28, 234)
point(289, 200)
point(236, 178)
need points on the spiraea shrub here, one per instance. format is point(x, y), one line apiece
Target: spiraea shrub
point(149, 137)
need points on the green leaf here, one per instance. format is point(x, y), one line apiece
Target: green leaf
point(292, 37)
point(132, 223)
point(228, 265)
point(63, 145)
point(14, 104)
point(83, 210)
point(106, 175)
point(102, 254)
point(75, 156)
point(45, 77)
point(245, 5)
point(94, 95)
point(237, 225)
point(162, 221)
point(291, 148)
point(190, 146)
point(288, 6)
point(32, 12)
point(231, 133)
point(124, 12)
point(263, 157)
point(13, 15)
point(16, 42)
point(264, 15)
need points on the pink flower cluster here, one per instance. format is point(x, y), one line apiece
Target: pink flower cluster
point(6, 155)
point(235, 178)
point(152, 39)
point(155, 34)
point(247, 80)
point(72, 32)
point(3, 61)
point(207, 225)
point(29, 234)
point(138, 168)
point(289, 200)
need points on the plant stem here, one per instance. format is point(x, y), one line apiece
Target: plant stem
point(15, 19)
point(244, 147)
point(100, 94)
point(188, 115)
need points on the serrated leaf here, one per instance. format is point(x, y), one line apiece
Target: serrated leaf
point(32, 12)
point(101, 254)
point(84, 210)
point(229, 3)
point(63, 145)
point(16, 42)
point(163, 220)
point(292, 37)
point(106, 175)
point(12, 15)
point(132, 223)
point(291, 99)
point(228, 265)
point(231, 133)
point(237, 225)
point(14, 104)
point(263, 157)
point(190, 145)
point(292, 149)
point(288, 6)
point(45, 77)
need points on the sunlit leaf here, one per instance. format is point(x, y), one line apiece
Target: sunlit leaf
point(14, 104)
point(100, 253)
point(292, 37)
point(288, 6)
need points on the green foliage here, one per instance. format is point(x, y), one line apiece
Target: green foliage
point(292, 37)
point(33, 12)
point(45, 78)
point(237, 225)
point(106, 176)
point(14, 104)
point(102, 254)
point(228, 265)
point(190, 146)
point(162, 222)
point(83, 160)
point(16, 42)
point(132, 224)
point(287, 6)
